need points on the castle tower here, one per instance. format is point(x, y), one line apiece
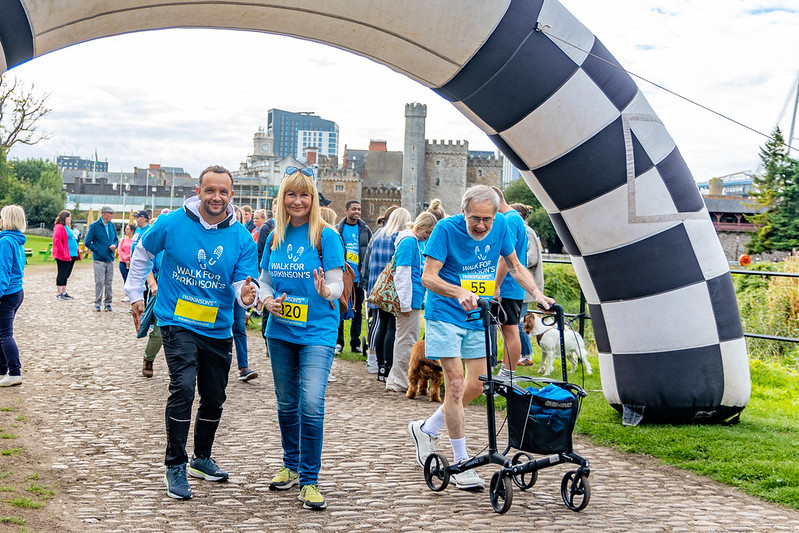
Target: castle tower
point(263, 144)
point(413, 175)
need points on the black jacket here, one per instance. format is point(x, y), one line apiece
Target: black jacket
point(364, 236)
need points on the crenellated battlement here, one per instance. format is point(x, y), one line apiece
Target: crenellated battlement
point(381, 193)
point(338, 174)
point(447, 147)
point(484, 161)
point(415, 109)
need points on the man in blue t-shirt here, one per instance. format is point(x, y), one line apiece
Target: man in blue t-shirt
point(208, 266)
point(142, 225)
point(462, 257)
point(356, 235)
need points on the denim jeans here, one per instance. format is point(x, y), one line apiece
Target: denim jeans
point(9, 353)
point(300, 376)
point(240, 334)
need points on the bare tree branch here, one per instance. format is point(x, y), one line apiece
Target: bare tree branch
point(20, 112)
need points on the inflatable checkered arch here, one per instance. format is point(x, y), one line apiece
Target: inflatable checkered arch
point(559, 106)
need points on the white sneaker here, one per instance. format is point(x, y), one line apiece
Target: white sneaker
point(424, 442)
point(338, 349)
point(10, 381)
point(371, 369)
point(125, 299)
point(468, 480)
point(331, 378)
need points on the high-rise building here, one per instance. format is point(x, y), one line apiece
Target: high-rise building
point(294, 132)
point(74, 162)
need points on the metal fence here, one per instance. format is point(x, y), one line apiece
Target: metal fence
point(582, 316)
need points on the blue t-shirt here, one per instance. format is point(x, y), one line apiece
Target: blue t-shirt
point(408, 254)
point(514, 222)
point(72, 243)
point(198, 268)
point(308, 319)
point(351, 237)
point(467, 263)
point(137, 236)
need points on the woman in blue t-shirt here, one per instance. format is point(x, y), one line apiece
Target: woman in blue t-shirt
point(410, 292)
point(301, 281)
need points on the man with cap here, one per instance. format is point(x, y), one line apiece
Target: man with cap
point(102, 240)
point(142, 225)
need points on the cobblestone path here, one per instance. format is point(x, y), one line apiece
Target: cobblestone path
point(102, 431)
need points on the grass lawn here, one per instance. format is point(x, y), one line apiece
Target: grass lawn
point(758, 455)
point(36, 243)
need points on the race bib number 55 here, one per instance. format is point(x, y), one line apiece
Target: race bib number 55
point(295, 312)
point(480, 284)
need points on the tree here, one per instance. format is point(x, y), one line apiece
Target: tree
point(772, 190)
point(519, 192)
point(21, 110)
point(37, 186)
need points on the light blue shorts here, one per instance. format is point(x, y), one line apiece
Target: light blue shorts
point(442, 339)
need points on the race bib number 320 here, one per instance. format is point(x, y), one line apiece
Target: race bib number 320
point(295, 312)
point(480, 284)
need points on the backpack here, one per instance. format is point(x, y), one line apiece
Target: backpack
point(348, 278)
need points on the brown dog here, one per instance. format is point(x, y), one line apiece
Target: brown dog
point(420, 370)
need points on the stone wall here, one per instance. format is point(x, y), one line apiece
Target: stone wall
point(445, 173)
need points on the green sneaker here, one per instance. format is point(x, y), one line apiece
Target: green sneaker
point(312, 498)
point(284, 480)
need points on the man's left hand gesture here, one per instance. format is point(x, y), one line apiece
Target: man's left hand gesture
point(249, 291)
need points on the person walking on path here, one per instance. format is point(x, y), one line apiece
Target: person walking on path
point(142, 226)
point(124, 249)
point(301, 281)
point(410, 292)
point(12, 269)
point(208, 266)
point(356, 235)
point(508, 292)
point(102, 240)
point(462, 256)
point(382, 249)
point(240, 330)
point(65, 252)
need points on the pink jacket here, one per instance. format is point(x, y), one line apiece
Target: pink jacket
point(60, 245)
point(124, 249)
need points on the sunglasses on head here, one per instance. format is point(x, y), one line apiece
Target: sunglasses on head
point(306, 171)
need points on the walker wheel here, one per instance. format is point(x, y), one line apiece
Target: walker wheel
point(525, 480)
point(435, 472)
point(501, 493)
point(575, 490)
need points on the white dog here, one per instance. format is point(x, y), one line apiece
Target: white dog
point(548, 339)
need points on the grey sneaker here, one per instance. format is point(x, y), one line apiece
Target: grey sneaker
point(177, 485)
point(468, 480)
point(424, 442)
point(207, 469)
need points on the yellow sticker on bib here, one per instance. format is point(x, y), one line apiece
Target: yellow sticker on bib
point(197, 311)
point(295, 312)
point(480, 284)
point(352, 257)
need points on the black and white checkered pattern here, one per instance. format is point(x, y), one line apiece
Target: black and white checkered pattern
point(551, 97)
point(625, 205)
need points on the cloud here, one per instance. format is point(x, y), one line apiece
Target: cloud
point(194, 97)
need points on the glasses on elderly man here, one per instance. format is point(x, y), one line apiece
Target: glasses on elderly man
point(306, 171)
point(478, 220)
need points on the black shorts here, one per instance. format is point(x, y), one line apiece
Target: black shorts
point(512, 309)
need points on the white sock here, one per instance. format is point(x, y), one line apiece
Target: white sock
point(434, 424)
point(459, 449)
point(504, 372)
point(371, 358)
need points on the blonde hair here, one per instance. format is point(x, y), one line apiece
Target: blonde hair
point(12, 217)
point(328, 215)
point(436, 209)
point(424, 220)
point(260, 212)
point(299, 183)
point(398, 221)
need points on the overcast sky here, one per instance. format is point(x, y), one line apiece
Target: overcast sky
point(190, 98)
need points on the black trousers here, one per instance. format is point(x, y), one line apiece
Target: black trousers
point(64, 271)
point(355, 326)
point(194, 359)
